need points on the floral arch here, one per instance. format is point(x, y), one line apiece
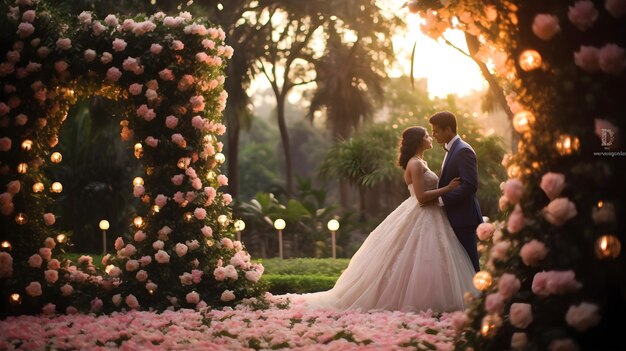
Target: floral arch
point(167, 74)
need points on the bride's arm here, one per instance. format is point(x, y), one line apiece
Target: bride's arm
point(416, 169)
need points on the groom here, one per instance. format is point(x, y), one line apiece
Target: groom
point(460, 204)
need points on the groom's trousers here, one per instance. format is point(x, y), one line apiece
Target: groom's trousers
point(467, 237)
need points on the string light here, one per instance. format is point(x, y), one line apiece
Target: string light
point(187, 217)
point(61, 238)
point(522, 121)
point(240, 225)
point(138, 222)
point(490, 324)
point(209, 242)
point(482, 280)
point(27, 145)
point(6, 245)
point(20, 218)
point(156, 209)
point(567, 144)
point(15, 299)
point(514, 171)
point(22, 168)
point(608, 247)
point(138, 181)
point(210, 175)
point(220, 158)
point(138, 150)
point(56, 157)
point(222, 219)
point(529, 60)
point(38, 187)
point(56, 187)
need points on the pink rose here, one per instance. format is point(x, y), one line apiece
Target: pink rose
point(192, 298)
point(500, 250)
point(171, 122)
point(155, 49)
point(85, 17)
point(179, 140)
point(583, 316)
point(227, 295)
point(207, 231)
point(196, 275)
point(546, 26)
point(617, 8)
point(106, 57)
point(533, 252)
point(113, 74)
point(513, 190)
point(177, 45)
point(583, 14)
point(139, 236)
point(43, 52)
point(160, 200)
point(45, 253)
point(611, 59)
point(48, 309)
point(516, 220)
point(61, 66)
point(132, 265)
point(158, 245)
point(200, 213)
point(152, 142)
point(138, 190)
point(179, 197)
point(51, 276)
point(559, 211)
point(119, 45)
point(164, 232)
point(222, 180)
point(89, 55)
point(119, 243)
point(5, 144)
point(132, 302)
point(181, 249)
point(191, 173)
point(96, 305)
point(185, 82)
point(177, 179)
point(141, 276)
point(520, 315)
point(508, 285)
point(67, 290)
point(21, 119)
point(130, 250)
point(197, 184)
point(64, 43)
point(25, 29)
point(162, 257)
point(227, 199)
point(116, 299)
point(219, 273)
point(186, 279)
point(587, 58)
point(563, 345)
point(115, 272)
point(35, 261)
point(554, 282)
point(494, 303)
point(29, 16)
point(34, 289)
point(485, 231)
point(166, 74)
point(519, 340)
point(111, 21)
point(49, 219)
point(54, 264)
point(197, 103)
point(253, 276)
point(13, 187)
point(151, 95)
point(135, 89)
point(552, 184)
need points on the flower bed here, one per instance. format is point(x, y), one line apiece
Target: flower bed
point(232, 329)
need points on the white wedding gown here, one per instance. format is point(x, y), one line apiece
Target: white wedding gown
point(411, 262)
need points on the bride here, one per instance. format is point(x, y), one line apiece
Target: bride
point(412, 261)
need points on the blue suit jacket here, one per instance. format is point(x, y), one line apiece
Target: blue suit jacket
point(461, 204)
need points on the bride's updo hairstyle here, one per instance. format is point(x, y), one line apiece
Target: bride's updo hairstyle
point(412, 140)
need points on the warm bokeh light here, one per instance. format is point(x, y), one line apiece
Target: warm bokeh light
point(138, 222)
point(138, 181)
point(567, 144)
point(56, 187)
point(21, 218)
point(490, 324)
point(187, 217)
point(108, 268)
point(333, 225)
point(61, 238)
point(222, 219)
point(608, 247)
point(6, 245)
point(138, 150)
point(22, 168)
point(155, 209)
point(104, 224)
point(239, 225)
point(15, 299)
point(280, 224)
point(56, 157)
point(211, 175)
point(482, 280)
point(38, 187)
point(220, 158)
point(27, 145)
point(529, 60)
point(522, 121)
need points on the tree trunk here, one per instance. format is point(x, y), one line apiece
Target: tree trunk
point(284, 136)
point(473, 45)
point(233, 128)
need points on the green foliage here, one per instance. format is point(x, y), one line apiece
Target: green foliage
point(302, 275)
point(298, 284)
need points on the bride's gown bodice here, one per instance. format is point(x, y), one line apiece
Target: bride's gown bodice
point(411, 262)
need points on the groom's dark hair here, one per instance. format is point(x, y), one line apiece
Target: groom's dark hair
point(444, 119)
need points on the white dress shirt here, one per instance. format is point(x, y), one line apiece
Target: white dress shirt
point(448, 146)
